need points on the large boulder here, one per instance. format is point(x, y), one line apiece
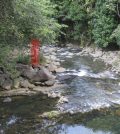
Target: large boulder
point(40, 74)
point(5, 80)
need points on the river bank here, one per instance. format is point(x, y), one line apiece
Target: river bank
point(110, 58)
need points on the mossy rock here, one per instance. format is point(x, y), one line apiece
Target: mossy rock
point(51, 115)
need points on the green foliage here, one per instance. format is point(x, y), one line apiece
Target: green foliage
point(103, 22)
point(116, 35)
point(23, 59)
point(7, 61)
point(90, 20)
point(74, 14)
point(26, 19)
point(26, 59)
point(35, 19)
point(22, 20)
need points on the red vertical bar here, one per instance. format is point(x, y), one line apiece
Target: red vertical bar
point(35, 52)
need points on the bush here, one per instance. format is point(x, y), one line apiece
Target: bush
point(26, 59)
point(7, 61)
point(104, 22)
point(116, 35)
point(26, 19)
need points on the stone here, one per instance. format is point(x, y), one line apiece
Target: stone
point(50, 83)
point(50, 115)
point(6, 81)
point(31, 86)
point(54, 95)
point(60, 70)
point(53, 53)
point(39, 84)
point(69, 45)
point(16, 83)
point(63, 100)
point(71, 112)
point(7, 85)
point(52, 67)
point(52, 57)
point(26, 84)
point(6, 100)
point(56, 63)
point(51, 50)
point(40, 74)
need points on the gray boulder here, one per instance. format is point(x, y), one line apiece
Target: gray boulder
point(5, 80)
point(40, 74)
point(50, 83)
point(26, 84)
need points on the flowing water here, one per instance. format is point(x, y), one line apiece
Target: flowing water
point(90, 86)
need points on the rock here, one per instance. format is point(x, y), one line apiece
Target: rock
point(40, 74)
point(16, 83)
point(50, 115)
point(51, 50)
point(31, 86)
point(5, 80)
point(53, 53)
point(26, 84)
point(54, 95)
point(63, 100)
point(52, 67)
point(71, 112)
point(69, 45)
point(56, 63)
point(39, 84)
point(6, 100)
point(50, 83)
point(7, 85)
point(97, 54)
point(60, 70)
point(52, 57)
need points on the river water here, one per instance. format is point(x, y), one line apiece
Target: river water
point(90, 86)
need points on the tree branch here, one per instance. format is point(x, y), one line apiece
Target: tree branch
point(118, 12)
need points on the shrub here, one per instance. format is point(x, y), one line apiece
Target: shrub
point(26, 59)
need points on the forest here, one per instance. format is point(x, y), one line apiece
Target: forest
point(87, 22)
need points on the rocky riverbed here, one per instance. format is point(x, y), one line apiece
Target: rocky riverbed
point(83, 93)
point(110, 58)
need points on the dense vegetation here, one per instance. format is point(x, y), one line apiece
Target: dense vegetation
point(95, 21)
point(85, 21)
point(23, 20)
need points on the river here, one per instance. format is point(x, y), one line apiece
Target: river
point(93, 94)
